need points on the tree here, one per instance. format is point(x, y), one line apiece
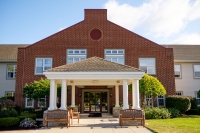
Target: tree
point(149, 86)
point(198, 93)
point(39, 89)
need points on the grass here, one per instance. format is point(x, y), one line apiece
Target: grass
point(184, 124)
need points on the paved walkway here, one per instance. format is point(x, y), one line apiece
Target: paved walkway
point(90, 125)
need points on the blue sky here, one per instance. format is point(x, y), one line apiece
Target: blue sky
point(164, 22)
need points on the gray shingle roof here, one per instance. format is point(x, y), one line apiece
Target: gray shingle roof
point(94, 64)
point(9, 52)
point(185, 52)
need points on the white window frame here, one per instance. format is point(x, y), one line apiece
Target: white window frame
point(76, 55)
point(44, 102)
point(112, 54)
point(160, 98)
point(177, 69)
point(11, 92)
point(147, 65)
point(196, 66)
point(14, 71)
point(151, 101)
point(198, 98)
point(43, 65)
point(26, 102)
point(179, 93)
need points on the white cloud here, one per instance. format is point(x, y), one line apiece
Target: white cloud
point(159, 17)
point(187, 38)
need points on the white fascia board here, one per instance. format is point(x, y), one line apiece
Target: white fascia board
point(93, 73)
point(8, 60)
point(186, 61)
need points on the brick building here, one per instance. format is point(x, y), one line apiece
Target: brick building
point(94, 36)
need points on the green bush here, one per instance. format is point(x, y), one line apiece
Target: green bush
point(29, 110)
point(18, 109)
point(156, 113)
point(181, 103)
point(174, 112)
point(193, 101)
point(193, 112)
point(8, 113)
point(27, 115)
point(9, 121)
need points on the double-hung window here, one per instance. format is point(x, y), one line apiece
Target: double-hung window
point(10, 93)
point(179, 93)
point(42, 64)
point(42, 102)
point(74, 55)
point(149, 101)
point(115, 55)
point(148, 64)
point(197, 71)
point(161, 101)
point(11, 71)
point(177, 71)
point(29, 103)
point(198, 99)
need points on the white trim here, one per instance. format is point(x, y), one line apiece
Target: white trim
point(42, 64)
point(163, 97)
point(44, 102)
point(26, 103)
point(93, 73)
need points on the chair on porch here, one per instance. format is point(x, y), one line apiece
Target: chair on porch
point(74, 114)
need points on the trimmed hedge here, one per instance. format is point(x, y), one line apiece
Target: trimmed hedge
point(193, 101)
point(181, 103)
point(156, 113)
point(174, 112)
point(9, 121)
point(23, 116)
point(8, 113)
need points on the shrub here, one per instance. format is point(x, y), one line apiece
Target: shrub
point(193, 101)
point(18, 109)
point(181, 103)
point(193, 112)
point(174, 112)
point(6, 104)
point(9, 121)
point(29, 110)
point(8, 113)
point(156, 113)
point(27, 123)
point(27, 115)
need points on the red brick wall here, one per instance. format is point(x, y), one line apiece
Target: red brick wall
point(77, 36)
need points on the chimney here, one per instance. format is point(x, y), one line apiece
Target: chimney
point(96, 14)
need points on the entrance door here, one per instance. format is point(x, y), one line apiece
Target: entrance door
point(95, 102)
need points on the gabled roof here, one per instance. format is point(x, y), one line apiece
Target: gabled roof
point(9, 52)
point(94, 64)
point(185, 52)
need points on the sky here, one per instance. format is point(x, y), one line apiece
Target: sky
point(161, 21)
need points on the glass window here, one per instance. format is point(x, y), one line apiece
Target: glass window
point(177, 71)
point(196, 71)
point(29, 103)
point(42, 102)
point(149, 101)
point(75, 55)
point(10, 93)
point(115, 55)
point(161, 101)
point(11, 71)
point(43, 64)
point(198, 99)
point(180, 93)
point(148, 64)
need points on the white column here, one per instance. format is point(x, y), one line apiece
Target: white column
point(51, 98)
point(133, 94)
point(117, 96)
point(55, 96)
point(137, 95)
point(73, 96)
point(63, 95)
point(125, 95)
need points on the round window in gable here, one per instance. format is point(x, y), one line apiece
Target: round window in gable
point(95, 34)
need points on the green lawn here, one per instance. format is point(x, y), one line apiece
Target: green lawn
point(184, 124)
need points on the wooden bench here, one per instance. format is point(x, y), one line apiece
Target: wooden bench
point(131, 114)
point(57, 116)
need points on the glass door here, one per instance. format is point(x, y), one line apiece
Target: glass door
point(95, 102)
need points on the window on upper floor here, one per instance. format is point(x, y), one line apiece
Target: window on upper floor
point(179, 93)
point(161, 101)
point(74, 55)
point(198, 98)
point(197, 71)
point(42, 64)
point(29, 103)
point(177, 71)
point(114, 55)
point(9, 93)
point(11, 71)
point(148, 64)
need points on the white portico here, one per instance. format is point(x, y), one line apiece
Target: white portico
point(94, 71)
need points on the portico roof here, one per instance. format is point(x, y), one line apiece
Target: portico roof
point(94, 64)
